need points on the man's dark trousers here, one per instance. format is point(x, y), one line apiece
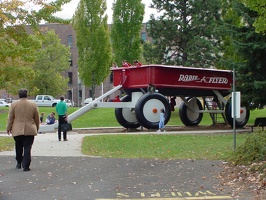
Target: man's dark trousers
point(23, 146)
point(61, 120)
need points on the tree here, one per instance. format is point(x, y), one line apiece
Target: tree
point(127, 23)
point(260, 7)
point(186, 33)
point(245, 51)
point(16, 59)
point(93, 42)
point(51, 60)
point(150, 53)
point(17, 47)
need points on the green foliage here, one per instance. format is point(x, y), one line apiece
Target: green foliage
point(187, 32)
point(51, 60)
point(260, 7)
point(17, 12)
point(150, 53)
point(17, 47)
point(245, 51)
point(127, 23)
point(252, 151)
point(93, 42)
point(16, 57)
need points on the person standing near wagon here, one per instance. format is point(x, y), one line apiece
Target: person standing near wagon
point(161, 122)
point(23, 122)
point(61, 110)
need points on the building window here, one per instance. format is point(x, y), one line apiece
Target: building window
point(70, 61)
point(69, 94)
point(70, 77)
point(69, 40)
point(111, 78)
point(148, 26)
point(144, 36)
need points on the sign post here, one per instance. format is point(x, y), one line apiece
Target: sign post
point(235, 112)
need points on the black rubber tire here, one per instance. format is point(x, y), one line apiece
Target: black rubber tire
point(187, 117)
point(125, 116)
point(244, 116)
point(145, 107)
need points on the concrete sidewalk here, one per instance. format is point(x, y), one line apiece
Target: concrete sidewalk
point(48, 145)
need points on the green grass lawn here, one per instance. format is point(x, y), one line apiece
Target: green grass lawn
point(162, 146)
point(215, 146)
point(6, 143)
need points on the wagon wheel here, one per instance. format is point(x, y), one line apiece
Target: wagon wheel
point(244, 115)
point(187, 116)
point(148, 110)
point(126, 117)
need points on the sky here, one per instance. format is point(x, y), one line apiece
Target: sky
point(69, 9)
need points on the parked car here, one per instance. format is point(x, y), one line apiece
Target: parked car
point(46, 100)
point(4, 104)
point(8, 100)
point(87, 101)
point(68, 102)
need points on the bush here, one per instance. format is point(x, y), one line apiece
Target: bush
point(252, 151)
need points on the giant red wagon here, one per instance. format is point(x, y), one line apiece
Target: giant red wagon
point(147, 89)
point(202, 91)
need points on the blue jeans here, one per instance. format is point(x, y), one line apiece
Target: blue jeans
point(161, 124)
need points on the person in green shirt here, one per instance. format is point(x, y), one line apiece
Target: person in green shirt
point(61, 110)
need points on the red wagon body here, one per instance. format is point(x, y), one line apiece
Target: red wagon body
point(174, 80)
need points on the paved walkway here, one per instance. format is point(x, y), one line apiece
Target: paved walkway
point(60, 171)
point(48, 145)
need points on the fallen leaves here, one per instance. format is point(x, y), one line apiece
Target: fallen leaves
point(246, 178)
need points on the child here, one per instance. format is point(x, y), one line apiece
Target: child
point(161, 122)
point(50, 118)
point(41, 117)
